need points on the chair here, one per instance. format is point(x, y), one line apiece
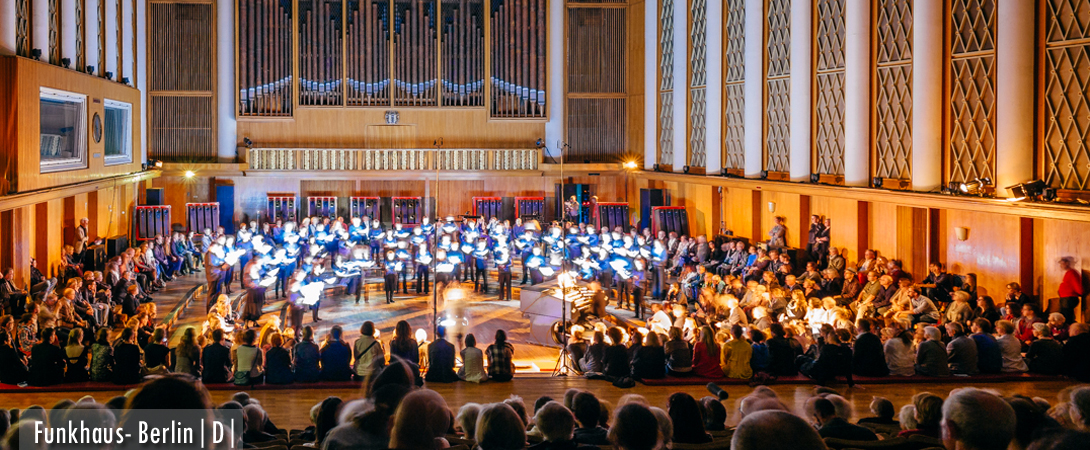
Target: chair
point(715, 444)
point(898, 443)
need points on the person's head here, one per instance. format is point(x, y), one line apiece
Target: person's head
point(955, 329)
point(75, 337)
point(587, 409)
point(882, 408)
point(1029, 310)
point(402, 331)
point(973, 419)
point(1004, 327)
point(466, 419)
point(932, 333)
point(421, 417)
point(48, 336)
point(1056, 320)
point(687, 417)
point(1079, 409)
point(635, 427)
point(1041, 331)
point(499, 428)
point(775, 430)
point(928, 410)
point(169, 392)
point(981, 325)
point(556, 423)
point(824, 410)
point(367, 329)
point(907, 417)
point(335, 333)
point(1078, 328)
point(253, 417)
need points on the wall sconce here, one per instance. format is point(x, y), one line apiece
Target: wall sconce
point(962, 233)
point(771, 207)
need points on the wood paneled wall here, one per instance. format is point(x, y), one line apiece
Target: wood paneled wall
point(21, 81)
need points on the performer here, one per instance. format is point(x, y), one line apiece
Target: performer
point(634, 286)
point(480, 259)
point(444, 269)
point(571, 210)
point(658, 261)
point(525, 244)
point(423, 260)
point(215, 271)
point(539, 267)
point(255, 292)
point(406, 260)
point(502, 257)
point(392, 268)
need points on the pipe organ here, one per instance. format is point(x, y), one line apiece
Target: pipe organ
point(391, 53)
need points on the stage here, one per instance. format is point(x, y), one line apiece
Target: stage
point(483, 314)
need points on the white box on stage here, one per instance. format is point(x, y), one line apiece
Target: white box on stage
point(544, 309)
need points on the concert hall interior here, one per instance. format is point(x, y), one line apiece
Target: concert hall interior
point(778, 193)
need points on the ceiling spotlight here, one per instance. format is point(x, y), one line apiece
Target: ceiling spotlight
point(1028, 190)
point(975, 186)
point(189, 174)
point(630, 165)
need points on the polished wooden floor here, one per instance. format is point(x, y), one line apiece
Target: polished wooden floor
point(289, 408)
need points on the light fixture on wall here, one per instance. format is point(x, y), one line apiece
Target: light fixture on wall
point(961, 233)
point(124, 80)
point(877, 182)
point(976, 186)
point(90, 69)
point(109, 75)
point(1026, 191)
point(66, 62)
point(815, 178)
point(36, 54)
point(772, 207)
point(685, 169)
point(189, 174)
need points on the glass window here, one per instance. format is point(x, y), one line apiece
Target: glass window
point(63, 120)
point(117, 132)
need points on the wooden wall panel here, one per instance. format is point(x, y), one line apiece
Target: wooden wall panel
point(991, 251)
point(787, 205)
point(22, 80)
point(912, 234)
point(844, 214)
point(1061, 239)
point(883, 229)
point(738, 211)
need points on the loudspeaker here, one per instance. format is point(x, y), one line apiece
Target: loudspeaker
point(650, 198)
point(116, 245)
point(154, 196)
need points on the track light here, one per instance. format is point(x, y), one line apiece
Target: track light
point(1027, 191)
point(814, 178)
point(109, 75)
point(90, 69)
point(685, 169)
point(876, 182)
point(36, 54)
point(124, 80)
point(764, 174)
point(540, 143)
point(1048, 194)
point(66, 62)
point(975, 186)
point(154, 164)
point(248, 142)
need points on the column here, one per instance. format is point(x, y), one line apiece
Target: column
point(681, 84)
point(802, 107)
point(68, 31)
point(225, 90)
point(754, 88)
point(713, 116)
point(650, 83)
point(110, 64)
point(857, 83)
point(39, 27)
point(927, 103)
point(554, 95)
point(90, 35)
point(1014, 93)
point(7, 27)
point(142, 76)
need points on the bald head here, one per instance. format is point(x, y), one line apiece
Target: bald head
point(775, 430)
point(973, 419)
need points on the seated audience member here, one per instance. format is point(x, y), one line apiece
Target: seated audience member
point(247, 362)
point(499, 427)
point(216, 360)
point(1077, 353)
point(759, 360)
point(975, 419)
point(931, 357)
point(588, 412)
point(688, 424)
point(336, 357)
point(1024, 324)
point(278, 367)
point(961, 350)
point(1080, 408)
point(128, 359)
point(775, 430)
point(1010, 348)
point(367, 352)
point(188, 354)
point(557, 426)
point(928, 414)
point(77, 358)
point(421, 419)
point(832, 426)
point(706, 361)
point(156, 353)
point(47, 361)
point(634, 427)
point(989, 357)
point(715, 414)
point(1045, 355)
point(441, 359)
point(616, 361)
point(472, 369)
point(868, 356)
point(649, 362)
point(883, 420)
point(899, 352)
point(13, 368)
point(782, 352)
point(254, 418)
point(306, 356)
point(577, 348)
point(466, 419)
point(736, 354)
point(833, 359)
point(594, 359)
point(1057, 324)
point(679, 356)
point(102, 357)
point(501, 366)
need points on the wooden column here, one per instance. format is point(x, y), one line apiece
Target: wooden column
point(912, 232)
point(862, 228)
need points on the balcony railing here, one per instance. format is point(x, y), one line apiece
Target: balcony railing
point(316, 159)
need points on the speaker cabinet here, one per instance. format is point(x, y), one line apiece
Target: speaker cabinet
point(151, 220)
point(116, 245)
point(366, 208)
point(611, 215)
point(322, 206)
point(650, 198)
point(488, 207)
point(530, 206)
point(670, 219)
point(405, 210)
point(201, 216)
point(281, 207)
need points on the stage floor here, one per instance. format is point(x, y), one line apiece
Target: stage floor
point(484, 314)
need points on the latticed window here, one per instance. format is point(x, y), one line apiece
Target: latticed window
point(120, 42)
point(54, 32)
point(829, 98)
point(101, 38)
point(698, 83)
point(778, 88)
point(1066, 156)
point(81, 49)
point(734, 104)
point(22, 28)
point(893, 91)
point(666, 82)
point(972, 90)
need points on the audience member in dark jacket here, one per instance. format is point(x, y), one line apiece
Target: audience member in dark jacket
point(336, 357)
point(782, 352)
point(13, 369)
point(650, 360)
point(833, 359)
point(931, 357)
point(441, 359)
point(306, 358)
point(831, 426)
point(216, 360)
point(278, 362)
point(868, 356)
point(128, 359)
point(587, 410)
point(989, 357)
point(593, 360)
point(616, 363)
point(47, 361)
point(1077, 353)
point(1045, 354)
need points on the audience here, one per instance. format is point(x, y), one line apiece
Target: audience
point(830, 425)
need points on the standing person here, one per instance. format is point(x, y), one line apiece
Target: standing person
point(777, 236)
point(1070, 290)
point(82, 237)
point(812, 235)
point(502, 259)
point(571, 210)
point(392, 268)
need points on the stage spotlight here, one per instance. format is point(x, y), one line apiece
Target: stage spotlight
point(124, 80)
point(975, 186)
point(540, 143)
point(109, 75)
point(1048, 194)
point(66, 62)
point(36, 54)
point(248, 142)
point(876, 182)
point(815, 178)
point(1029, 190)
point(630, 165)
point(189, 174)
point(90, 69)
point(655, 167)
point(155, 164)
point(685, 169)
